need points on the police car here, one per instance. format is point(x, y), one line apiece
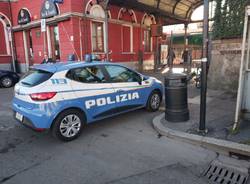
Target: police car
point(63, 97)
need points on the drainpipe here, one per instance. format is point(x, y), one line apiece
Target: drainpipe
point(140, 54)
point(156, 54)
point(106, 30)
point(49, 42)
point(13, 48)
point(80, 34)
point(26, 52)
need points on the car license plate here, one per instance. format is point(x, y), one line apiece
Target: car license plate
point(19, 116)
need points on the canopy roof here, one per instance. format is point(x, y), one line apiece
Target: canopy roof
point(179, 11)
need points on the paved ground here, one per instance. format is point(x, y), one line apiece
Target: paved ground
point(5, 109)
point(123, 149)
point(220, 115)
point(120, 150)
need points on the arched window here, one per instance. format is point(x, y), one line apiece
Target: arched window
point(97, 28)
point(97, 11)
point(147, 20)
point(4, 30)
point(127, 15)
point(94, 9)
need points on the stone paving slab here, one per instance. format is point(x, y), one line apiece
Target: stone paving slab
point(174, 175)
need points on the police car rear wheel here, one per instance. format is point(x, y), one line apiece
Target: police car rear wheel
point(68, 125)
point(154, 101)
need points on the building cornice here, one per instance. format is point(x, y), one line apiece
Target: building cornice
point(67, 16)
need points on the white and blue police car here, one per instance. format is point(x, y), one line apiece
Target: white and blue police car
point(63, 97)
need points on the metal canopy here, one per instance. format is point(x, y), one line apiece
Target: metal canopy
point(179, 11)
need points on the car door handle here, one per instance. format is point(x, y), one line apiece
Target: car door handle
point(119, 91)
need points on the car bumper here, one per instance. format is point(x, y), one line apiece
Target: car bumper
point(36, 117)
point(28, 123)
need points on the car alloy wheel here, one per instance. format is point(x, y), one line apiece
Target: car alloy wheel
point(155, 101)
point(70, 126)
point(6, 82)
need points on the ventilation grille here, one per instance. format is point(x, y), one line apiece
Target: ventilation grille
point(217, 173)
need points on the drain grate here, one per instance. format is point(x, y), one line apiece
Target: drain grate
point(218, 173)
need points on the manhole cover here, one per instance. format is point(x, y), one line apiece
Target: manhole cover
point(219, 173)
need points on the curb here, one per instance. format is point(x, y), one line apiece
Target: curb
point(218, 145)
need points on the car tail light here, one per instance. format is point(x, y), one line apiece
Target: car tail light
point(42, 96)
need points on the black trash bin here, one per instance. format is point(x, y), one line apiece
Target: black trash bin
point(176, 97)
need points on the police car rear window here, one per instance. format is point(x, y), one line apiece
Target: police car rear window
point(35, 77)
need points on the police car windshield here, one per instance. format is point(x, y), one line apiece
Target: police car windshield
point(35, 77)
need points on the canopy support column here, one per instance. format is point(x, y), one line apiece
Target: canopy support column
point(185, 37)
point(202, 127)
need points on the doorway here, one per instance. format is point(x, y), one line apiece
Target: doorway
point(30, 47)
point(55, 47)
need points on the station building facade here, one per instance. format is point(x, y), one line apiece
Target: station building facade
point(5, 36)
point(73, 27)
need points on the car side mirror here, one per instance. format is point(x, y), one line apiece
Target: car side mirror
point(140, 79)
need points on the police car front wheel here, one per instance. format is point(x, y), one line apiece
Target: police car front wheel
point(68, 125)
point(154, 101)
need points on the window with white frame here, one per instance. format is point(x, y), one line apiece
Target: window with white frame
point(127, 39)
point(3, 50)
point(97, 37)
point(4, 39)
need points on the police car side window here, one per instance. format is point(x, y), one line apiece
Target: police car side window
point(87, 75)
point(121, 74)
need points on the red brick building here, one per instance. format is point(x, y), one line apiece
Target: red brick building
point(73, 27)
point(5, 36)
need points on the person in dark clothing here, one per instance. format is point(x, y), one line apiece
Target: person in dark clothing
point(185, 56)
point(187, 60)
point(47, 59)
point(171, 57)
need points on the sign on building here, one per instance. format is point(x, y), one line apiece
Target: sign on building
point(49, 9)
point(43, 25)
point(58, 1)
point(23, 17)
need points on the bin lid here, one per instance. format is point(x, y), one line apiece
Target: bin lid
point(174, 76)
